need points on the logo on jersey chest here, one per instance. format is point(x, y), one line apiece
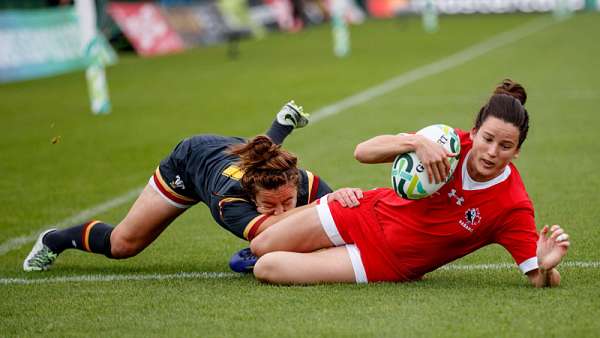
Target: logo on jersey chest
point(471, 219)
point(459, 200)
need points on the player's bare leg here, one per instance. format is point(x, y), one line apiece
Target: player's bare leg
point(300, 232)
point(324, 266)
point(147, 219)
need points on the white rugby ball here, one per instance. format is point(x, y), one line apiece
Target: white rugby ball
point(409, 177)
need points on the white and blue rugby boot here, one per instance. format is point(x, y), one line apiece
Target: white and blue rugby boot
point(41, 257)
point(292, 115)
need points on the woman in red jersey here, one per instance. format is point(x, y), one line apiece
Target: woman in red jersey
point(378, 236)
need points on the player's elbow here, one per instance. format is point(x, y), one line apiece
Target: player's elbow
point(261, 244)
point(362, 153)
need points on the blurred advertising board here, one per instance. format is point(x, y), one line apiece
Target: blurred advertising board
point(43, 42)
point(387, 8)
point(497, 6)
point(146, 28)
point(197, 25)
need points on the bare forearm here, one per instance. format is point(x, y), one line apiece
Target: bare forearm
point(544, 278)
point(384, 148)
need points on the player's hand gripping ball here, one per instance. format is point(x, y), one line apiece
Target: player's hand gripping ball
point(409, 177)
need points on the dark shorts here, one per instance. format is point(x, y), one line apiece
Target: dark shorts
point(182, 175)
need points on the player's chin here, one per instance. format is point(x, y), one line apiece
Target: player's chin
point(488, 171)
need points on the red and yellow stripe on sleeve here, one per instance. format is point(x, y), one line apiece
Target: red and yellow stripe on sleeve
point(313, 186)
point(252, 228)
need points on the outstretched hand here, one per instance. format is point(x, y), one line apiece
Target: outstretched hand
point(551, 249)
point(347, 197)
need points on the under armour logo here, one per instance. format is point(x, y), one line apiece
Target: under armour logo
point(178, 183)
point(459, 200)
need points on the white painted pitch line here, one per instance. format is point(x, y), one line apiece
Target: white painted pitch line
point(112, 278)
point(444, 64)
point(399, 81)
point(83, 216)
point(220, 275)
point(500, 266)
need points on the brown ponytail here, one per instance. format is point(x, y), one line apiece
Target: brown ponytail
point(507, 103)
point(265, 164)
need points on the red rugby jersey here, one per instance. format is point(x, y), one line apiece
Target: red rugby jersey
point(418, 236)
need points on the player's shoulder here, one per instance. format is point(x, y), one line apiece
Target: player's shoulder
point(306, 181)
point(465, 138)
point(514, 191)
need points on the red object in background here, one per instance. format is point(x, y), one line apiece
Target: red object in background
point(146, 28)
point(386, 8)
point(283, 14)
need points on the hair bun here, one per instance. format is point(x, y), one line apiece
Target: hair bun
point(265, 164)
point(260, 153)
point(514, 89)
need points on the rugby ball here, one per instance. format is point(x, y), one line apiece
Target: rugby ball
point(409, 177)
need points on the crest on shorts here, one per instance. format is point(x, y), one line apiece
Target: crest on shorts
point(178, 183)
point(471, 219)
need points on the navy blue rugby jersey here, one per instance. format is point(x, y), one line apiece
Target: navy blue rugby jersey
point(216, 182)
point(236, 212)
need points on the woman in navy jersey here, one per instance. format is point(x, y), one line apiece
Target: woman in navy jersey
point(379, 236)
point(247, 185)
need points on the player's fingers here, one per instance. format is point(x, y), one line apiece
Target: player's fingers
point(340, 199)
point(565, 244)
point(544, 230)
point(435, 172)
point(429, 172)
point(554, 227)
point(348, 199)
point(358, 193)
point(354, 200)
point(443, 171)
point(556, 233)
point(562, 237)
point(447, 166)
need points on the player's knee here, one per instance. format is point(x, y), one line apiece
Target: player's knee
point(261, 244)
point(268, 268)
point(123, 248)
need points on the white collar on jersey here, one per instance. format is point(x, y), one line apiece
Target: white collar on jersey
point(470, 184)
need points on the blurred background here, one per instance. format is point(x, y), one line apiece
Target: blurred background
point(93, 94)
point(45, 37)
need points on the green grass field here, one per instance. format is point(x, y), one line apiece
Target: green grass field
point(159, 101)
